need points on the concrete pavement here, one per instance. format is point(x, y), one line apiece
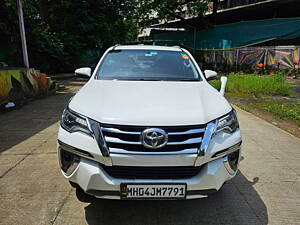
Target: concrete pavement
point(32, 190)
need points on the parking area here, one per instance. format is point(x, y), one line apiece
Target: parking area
point(32, 190)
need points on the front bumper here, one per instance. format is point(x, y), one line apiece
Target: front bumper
point(91, 177)
point(94, 180)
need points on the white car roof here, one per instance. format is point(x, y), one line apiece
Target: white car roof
point(148, 47)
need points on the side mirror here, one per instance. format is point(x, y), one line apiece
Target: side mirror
point(210, 74)
point(86, 71)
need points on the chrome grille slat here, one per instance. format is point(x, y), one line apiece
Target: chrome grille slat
point(117, 140)
point(189, 141)
point(123, 151)
point(124, 139)
point(193, 131)
point(115, 130)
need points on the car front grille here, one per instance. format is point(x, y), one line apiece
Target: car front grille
point(128, 138)
point(132, 172)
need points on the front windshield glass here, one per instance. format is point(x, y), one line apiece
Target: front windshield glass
point(147, 65)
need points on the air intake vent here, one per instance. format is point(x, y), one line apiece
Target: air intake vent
point(132, 172)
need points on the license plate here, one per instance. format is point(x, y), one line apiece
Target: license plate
point(153, 191)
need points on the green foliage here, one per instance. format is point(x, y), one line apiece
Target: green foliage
point(243, 107)
point(216, 84)
point(60, 33)
point(170, 9)
point(59, 37)
point(285, 111)
point(254, 85)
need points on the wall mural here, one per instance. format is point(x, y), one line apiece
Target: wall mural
point(251, 57)
point(18, 85)
point(268, 57)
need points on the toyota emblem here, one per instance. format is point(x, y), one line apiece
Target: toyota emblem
point(154, 138)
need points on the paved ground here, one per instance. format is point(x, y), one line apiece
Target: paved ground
point(32, 190)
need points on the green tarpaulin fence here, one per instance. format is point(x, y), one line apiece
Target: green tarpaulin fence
point(236, 35)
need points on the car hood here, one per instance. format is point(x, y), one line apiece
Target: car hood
point(149, 103)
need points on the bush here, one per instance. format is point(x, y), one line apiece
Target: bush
point(252, 84)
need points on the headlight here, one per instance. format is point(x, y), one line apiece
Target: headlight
point(228, 123)
point(73, 122)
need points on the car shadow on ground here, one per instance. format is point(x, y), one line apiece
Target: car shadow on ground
point(20, 124)
point(236, 203)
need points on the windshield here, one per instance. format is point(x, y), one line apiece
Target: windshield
point(147, 65)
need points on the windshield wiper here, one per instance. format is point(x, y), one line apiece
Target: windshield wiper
point(148, 79)
point(187, 79)
point(183, 79)
point(131, 79)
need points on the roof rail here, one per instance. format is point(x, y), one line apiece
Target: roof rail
point(177, 46)
point(116, 45)
point(138, 42)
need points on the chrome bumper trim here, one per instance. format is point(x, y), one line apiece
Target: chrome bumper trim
point(231, 171)
point(74, 150)
point(227, 151)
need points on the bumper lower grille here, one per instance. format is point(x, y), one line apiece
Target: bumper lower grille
point(132, 172)
point(128, 138)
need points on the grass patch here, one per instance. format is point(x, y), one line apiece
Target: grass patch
point(242, 85)
point(245, 108)
point(247, 86)
point(284, 111)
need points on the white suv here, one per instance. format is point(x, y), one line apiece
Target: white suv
point(148, 125)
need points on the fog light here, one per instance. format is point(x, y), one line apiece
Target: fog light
point(68, 161)
point(231, 162)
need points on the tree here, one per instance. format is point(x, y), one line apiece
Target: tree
point(59, 33)
point(167, 9)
